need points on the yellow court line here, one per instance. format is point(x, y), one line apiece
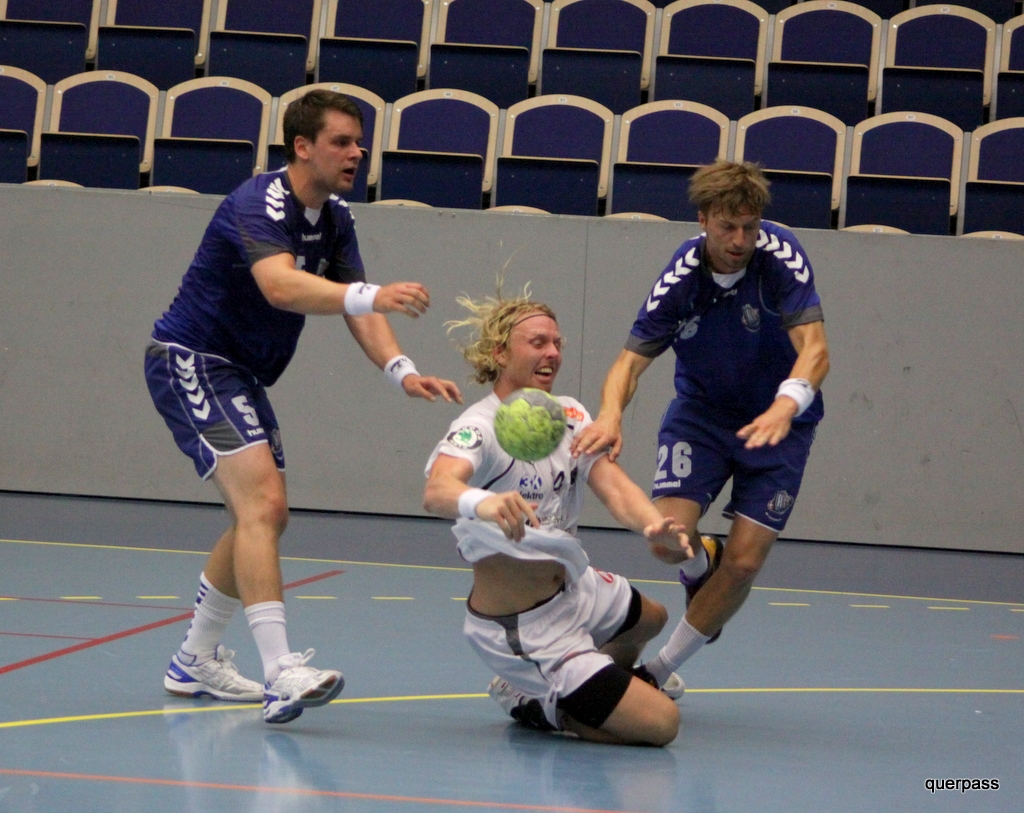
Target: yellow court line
point(101, 547)
point(136, 548)
point(200, 709)
point(891, 596)
point(80, 598)
point(375, 564)
point(1017, 604)
point(965, 609)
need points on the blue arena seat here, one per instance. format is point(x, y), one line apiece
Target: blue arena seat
point(825, 56)
point(802, 152)
point(999, 11)
point(712, 52)
point(600, 50)
point(108, 103)
point(210, 166)
point(209, 127)
point(554, 155)
point(51, 51)
point(22, 102)
point(441, 148)
point(886, 9)
point(14, 148)
point(939, 60)
point(372, 107)
point(488, 47)
point(1010, 81)
point(81, 12)
point(89, 159)
point(380, 45)
point(905, 172)
point(994, 194)
point(661, 145)
point(271, 43)
point(163, 43)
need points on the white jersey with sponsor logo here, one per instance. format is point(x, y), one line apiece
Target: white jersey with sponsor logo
point(554, 483)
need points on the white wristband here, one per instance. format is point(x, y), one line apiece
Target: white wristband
point(398, 368)
point(359, 298)
point(800, 390)
point(470, 499)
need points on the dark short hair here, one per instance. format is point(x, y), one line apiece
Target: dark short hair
point(730, 188)
point(306, 115)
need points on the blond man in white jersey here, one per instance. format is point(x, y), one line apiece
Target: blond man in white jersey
point(562, 637)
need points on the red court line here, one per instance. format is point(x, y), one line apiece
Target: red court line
point(333, 794)
point(136, 630)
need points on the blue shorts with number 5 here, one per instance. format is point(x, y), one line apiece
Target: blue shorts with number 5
point(211, 406)
point(698, 451)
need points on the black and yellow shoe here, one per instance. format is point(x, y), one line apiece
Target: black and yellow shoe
point(714, 547)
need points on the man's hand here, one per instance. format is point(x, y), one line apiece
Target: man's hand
point(669, 541)
point(603, 433)
point(771, 426)
point(511, 512)
point(429, 387)
point(410, 298)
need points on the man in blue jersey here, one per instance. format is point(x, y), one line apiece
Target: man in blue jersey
point(738, 306)
point(279, 247)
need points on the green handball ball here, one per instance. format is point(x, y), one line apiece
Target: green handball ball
point(529, 424)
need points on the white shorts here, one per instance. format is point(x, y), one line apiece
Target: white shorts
point(550, 651)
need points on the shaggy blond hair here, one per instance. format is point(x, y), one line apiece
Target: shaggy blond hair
point(491, 321)
point(730, 188)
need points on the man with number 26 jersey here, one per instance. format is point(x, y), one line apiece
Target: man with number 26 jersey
point(738, 306)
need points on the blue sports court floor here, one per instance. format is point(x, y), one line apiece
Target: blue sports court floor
point(851, 678)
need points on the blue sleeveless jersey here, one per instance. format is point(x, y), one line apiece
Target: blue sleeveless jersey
point(220, 309)
point(732, 346)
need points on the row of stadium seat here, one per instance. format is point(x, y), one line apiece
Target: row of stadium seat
point(562, 154)
point(833, 55)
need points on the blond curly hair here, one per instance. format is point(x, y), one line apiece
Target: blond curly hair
point(491, 321)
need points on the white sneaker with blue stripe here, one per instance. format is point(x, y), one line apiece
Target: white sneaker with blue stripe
point(217, 678)
point(299, 686)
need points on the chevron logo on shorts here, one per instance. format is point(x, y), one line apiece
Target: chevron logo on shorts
point(784, 251)
point(185, 369)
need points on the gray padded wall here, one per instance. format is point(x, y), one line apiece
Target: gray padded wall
point(921, 444)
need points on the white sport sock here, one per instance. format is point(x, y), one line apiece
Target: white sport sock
point(684, 642)
point(696, 567)
point(212, 613)
point(266, 620)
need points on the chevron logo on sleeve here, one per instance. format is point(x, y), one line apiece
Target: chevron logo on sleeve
point(275, 200)
point(684, 265)
point(792, 258)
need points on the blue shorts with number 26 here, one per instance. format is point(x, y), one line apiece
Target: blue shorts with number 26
point(698, 452)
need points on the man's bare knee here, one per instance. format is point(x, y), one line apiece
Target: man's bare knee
point(663, 728)
point(656, 619)
point(741, 570)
